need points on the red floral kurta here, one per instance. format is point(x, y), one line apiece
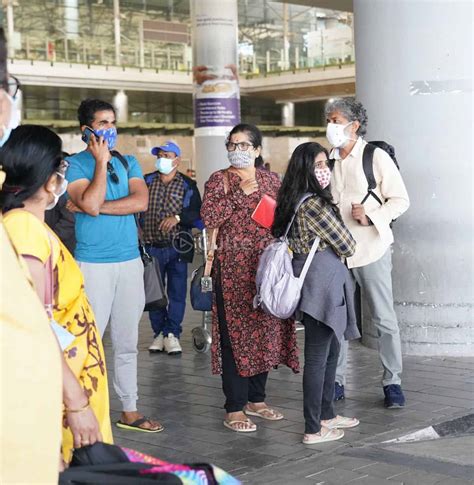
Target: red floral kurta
point(259, 341)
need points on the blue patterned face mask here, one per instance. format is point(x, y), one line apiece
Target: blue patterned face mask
point(110, 136)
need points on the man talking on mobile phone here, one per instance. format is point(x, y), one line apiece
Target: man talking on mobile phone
point(106, 190)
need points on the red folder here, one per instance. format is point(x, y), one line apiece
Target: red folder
point(264, 213)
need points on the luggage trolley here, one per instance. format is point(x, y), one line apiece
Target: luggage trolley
point(202, 337)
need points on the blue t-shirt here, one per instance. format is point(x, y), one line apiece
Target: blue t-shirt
point(105, 238)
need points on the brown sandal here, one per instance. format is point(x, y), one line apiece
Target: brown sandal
point(231, 424)
point(267, 413)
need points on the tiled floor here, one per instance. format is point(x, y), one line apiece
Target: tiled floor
point(181, 392)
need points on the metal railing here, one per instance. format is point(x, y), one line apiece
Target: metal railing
point(158, 56)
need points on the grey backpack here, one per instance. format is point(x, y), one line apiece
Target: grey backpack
point(278, 289)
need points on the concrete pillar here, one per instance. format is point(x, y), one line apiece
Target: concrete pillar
point(121, 106)
point(216, 84)
point(288, 114)
point(418, 93)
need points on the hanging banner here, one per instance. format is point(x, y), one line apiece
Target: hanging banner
point(215, 74)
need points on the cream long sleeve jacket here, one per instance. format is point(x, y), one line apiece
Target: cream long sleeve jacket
point(349, 185)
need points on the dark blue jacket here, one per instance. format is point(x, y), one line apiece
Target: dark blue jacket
point(189, 216)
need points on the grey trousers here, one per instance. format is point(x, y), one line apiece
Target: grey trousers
point(375, 280)
point(117, 295)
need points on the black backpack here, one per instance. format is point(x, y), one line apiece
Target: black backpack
point(368, 165)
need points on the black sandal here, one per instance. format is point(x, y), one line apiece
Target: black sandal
point(135, 426)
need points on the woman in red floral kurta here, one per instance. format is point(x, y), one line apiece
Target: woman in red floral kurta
point(246, 342)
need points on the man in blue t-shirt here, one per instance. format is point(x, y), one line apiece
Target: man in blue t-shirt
point(107, 193)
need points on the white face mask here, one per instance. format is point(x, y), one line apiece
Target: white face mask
point(239, 159)
point(335, 133)
point(57, 194)
point(14, 120)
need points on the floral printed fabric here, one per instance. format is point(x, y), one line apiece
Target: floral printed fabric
point(259, 341)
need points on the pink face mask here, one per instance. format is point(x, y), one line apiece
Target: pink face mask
point(323, 176)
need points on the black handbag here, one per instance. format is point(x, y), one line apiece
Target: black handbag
point(101, 463)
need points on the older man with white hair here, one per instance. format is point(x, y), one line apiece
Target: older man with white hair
point(368, 217)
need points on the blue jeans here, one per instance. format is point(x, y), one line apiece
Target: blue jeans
point(174, 274)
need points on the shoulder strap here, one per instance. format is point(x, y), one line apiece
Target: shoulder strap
point(309, 259)
point(315, 245)
point(118, 155)
point(213, 234)
point(149, 177)
point(368, 166)
point(305, 196)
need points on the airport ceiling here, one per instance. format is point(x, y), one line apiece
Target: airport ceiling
point(344, 5)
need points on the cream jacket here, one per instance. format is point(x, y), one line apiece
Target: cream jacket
point(349, 185)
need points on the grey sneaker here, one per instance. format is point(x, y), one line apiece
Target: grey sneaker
point(158, 344)
point(172, 345)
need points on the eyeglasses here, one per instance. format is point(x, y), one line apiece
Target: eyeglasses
point(12, 85)
point(243, 146)
point(112, 173)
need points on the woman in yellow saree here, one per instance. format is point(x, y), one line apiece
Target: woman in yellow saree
point(32, 160)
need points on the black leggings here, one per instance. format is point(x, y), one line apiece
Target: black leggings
point(238, 390)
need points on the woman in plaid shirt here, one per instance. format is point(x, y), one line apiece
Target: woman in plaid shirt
point(327, 304)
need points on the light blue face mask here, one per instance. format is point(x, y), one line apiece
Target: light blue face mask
point(6, 134)
point(165, 165)
point(14, 120)
point(110, 136)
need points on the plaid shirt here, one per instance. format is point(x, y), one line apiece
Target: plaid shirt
point(317, 218)
point(165, 200)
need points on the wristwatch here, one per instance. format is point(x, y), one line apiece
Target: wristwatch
point(178, 218)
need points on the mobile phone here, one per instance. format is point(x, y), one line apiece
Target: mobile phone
point(86, 135)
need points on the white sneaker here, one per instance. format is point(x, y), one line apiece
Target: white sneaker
point(172, 345)
point(157, 344)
